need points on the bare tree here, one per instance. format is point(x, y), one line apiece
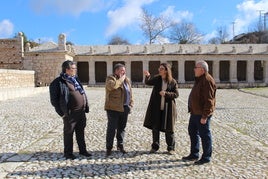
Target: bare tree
point(154, 27)
point(256, 30)
point(185, 33)
point(116, 40)
point(213, 40)
point(222, 36)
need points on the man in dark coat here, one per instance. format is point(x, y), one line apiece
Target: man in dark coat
point(70, 102)
point(161, 112)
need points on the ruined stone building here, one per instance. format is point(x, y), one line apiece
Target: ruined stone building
point(232, 65)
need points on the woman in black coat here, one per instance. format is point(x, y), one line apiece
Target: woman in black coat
point(161, 112)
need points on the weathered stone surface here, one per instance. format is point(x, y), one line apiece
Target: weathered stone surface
point(31, 143)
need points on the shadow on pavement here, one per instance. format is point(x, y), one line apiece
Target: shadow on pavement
point(89, 167)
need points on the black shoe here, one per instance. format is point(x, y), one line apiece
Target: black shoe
point(86, 154)
point(70, 156)
point(152, 151)
point(121, 149)
point(190, 158)
point(201, 162)
point(108, 152)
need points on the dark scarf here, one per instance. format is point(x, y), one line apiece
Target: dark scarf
point(73, 81)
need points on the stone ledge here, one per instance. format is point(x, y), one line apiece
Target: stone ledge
point(11, 93)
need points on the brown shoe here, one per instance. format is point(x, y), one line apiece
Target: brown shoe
point(121, 149)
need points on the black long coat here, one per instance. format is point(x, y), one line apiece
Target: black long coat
point(153, 119)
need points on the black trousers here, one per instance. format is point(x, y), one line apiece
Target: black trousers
point(116, 125)
point(170, 140)
point(75, 122)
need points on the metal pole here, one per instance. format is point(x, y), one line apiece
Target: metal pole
point(264, 20)
point(233, 30)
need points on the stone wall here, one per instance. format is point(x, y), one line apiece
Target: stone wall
point(16, 78)
point(11, 52)
point(17, 83)
point(47, 66)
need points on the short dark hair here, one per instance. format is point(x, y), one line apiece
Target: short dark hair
point(67, 65)
point(118, 65)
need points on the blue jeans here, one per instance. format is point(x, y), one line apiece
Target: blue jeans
point(196, 130)
point(117, 122)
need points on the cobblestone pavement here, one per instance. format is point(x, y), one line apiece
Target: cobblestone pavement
point(31, 143)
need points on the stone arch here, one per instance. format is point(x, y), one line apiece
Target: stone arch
point(241, 70)
point(189, 70)
point(224, 71)
point(100, 71)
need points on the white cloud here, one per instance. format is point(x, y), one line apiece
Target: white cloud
point(249, 12)
point(162, 40)
point(176, 16)
point(68, 6)
point(126, 15)
point(6, 28)
point(209, 36)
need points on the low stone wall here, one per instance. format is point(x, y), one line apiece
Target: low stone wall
point(11, 93)
point(16, 78)
point(17, 83)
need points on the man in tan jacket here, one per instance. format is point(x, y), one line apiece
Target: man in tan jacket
point(118, 103)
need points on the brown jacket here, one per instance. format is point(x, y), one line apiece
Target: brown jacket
point(114, 99)
point(202, 97)
point(153, 118)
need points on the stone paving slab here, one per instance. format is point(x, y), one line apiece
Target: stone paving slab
point(31, 143)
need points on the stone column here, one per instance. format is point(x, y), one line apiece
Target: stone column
point(181, 77)
point(62, 42)
point(128, 69)
point(20, 39)
point(233, 71)
point(109, 67)
point(250, 71)
point(145, 66)
point(92, 80)
point(265, 71)
point(216, 71)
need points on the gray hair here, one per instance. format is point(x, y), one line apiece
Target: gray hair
point(118, 65)
point(203, 64)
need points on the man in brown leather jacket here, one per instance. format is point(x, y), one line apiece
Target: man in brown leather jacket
point(201, 106)
point(118, 103)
